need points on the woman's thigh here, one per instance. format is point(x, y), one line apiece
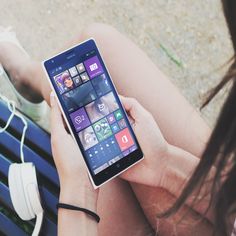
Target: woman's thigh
point(120, 211)
point(135, 75)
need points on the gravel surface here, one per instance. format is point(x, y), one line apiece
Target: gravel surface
point(188, 40)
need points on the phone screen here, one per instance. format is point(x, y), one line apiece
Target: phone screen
point(93, 109)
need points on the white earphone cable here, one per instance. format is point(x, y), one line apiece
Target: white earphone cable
point(12, 108)
point(38, 224)
point(22, 137)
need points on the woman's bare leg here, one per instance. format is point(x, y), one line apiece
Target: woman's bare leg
point(120, 212)
point(135, 75)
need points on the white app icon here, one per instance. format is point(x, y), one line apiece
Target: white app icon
point(80, 67)
point(124, 139)
point(79, 119)
point(93, 67)
point(101, 107)
point(88, 138)
point(73, 71)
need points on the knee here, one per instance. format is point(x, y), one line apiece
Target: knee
point(98, 31)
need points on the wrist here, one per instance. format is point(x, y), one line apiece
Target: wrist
point(162, 171)
point(179, 166)
point(79, 194)
point(169, 170)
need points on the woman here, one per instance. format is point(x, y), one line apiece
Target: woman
point(172, 148)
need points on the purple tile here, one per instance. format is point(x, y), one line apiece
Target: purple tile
point(111, 118)
point(80, 119)
point(93, 67)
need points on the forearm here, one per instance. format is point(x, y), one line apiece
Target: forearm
point(76, 222)
point(172, 176)
point(154, 200)
point(180, 167)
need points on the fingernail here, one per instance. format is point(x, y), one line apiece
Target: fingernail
point(52, 99)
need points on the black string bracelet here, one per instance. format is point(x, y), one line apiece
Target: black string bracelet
point(75, 208)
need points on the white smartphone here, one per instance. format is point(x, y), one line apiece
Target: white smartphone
point(93, 112)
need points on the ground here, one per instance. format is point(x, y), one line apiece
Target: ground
point(188, 40)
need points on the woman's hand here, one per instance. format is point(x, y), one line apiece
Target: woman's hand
point(155, 148)
point(76, 187)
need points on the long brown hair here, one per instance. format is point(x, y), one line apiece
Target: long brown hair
point(221, 147)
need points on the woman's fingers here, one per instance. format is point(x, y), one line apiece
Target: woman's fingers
point(133, 107)
point(57, 126)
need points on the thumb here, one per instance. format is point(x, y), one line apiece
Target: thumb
point(57, 126)
point(133, 108)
